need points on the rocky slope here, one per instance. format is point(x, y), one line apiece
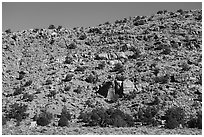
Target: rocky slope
point(160, 56)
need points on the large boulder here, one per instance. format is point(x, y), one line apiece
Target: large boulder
point(128, 87)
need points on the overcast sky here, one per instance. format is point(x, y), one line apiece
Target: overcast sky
point(22, 15)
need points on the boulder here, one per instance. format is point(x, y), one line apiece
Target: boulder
point(121, 55)
point(128, 87)
point(102, 56)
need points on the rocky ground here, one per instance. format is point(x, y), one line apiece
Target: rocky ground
point(156, 57)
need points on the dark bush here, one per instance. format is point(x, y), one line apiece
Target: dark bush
point(44, 118)
point(78, 90)
point(139, 22)
point(185, 66)
point(162, 79)
point(28, 97)
point(92, 79)
point(199, 120)
point(118, 68)
point(63, 121)
point(68, 60)
point(18, 91)
point(172, 123)
point(104, 118)
point(82, 37)
point(67, 88)
point(51, 27)
point(175, 115)
point(4, 120)
point(64, 118)
point(68, 77)
point(160, 12)
point(72, 46)
point(80, 68)
point(8, 31)
point(17, 111)
point(59, 27)
point(147, 115)
point(52, 94)
point(192, 123)
point(101, 65)
point(28, 83)
point(65, 113)
point(180, 11)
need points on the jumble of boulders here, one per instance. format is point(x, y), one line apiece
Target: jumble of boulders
point(126, 64)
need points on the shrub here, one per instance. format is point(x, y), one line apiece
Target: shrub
point(78, 90)
point(65, 113)
point(199, 120)
point(28, 83)
point(4, 120)
point(72, 46)
point(68, 77)
point(28, 97)
point(8, 31)
point(104, 118)
point(92, 79)
point(82, 37)
point(51, 26)
point(118, 68)
point(52, 94)
point(192, 123)
point(59, 27)
point(18, 91)
point(171, 123)
point(139, 22)
point(175, 115)
point(162, 79)
point(68, 60)
point(44, 118)
point(101, 65)
point(147, 115)
point(17, 111)
point(63, 121)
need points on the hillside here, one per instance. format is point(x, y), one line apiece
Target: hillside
point(158, 60)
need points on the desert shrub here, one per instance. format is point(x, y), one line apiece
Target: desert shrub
point(63, 121)
point(118, 68)
point(185, 66)
point(82, 37)
point(139, 22)
point(28, 83)
point(160, 12)
point(48, 82)
point(78, 90)
point(72, 46)
point(192, 123)
point(180, 11)
point(92, 79)
point(172, 123)
point(175, 115)
point(68, 60)
point(4, 120)
point(166, 50)
point(59, 27)
point(64, 118)
point(17, 111)
point(68, 77)
point(8, 31)
point(18, 91)
point(28, 97)
point(199, 120)
point(51, 26)
point(162, 79)
point(101, 65)
point(66, 113)
point(67, 88)
point(80, 68)
point(147, 115)
point(104, 118)
point(44, 118)
point(52, 94)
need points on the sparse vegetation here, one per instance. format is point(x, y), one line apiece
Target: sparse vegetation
point(44, 118)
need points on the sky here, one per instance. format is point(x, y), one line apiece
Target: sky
point(19, 16)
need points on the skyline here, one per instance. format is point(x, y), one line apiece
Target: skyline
point(19, 16)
